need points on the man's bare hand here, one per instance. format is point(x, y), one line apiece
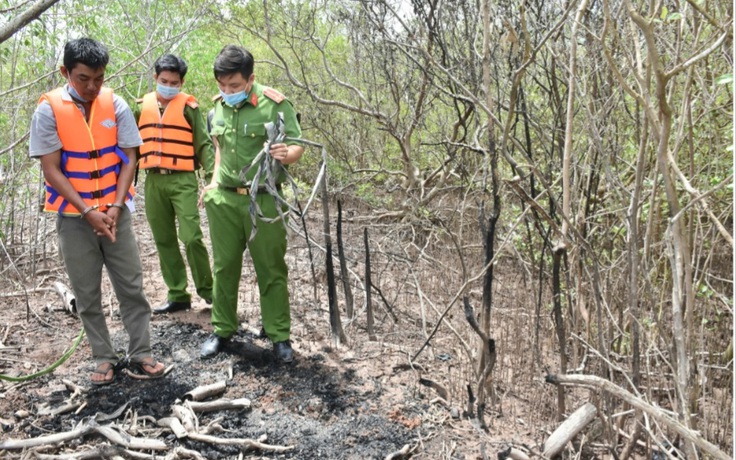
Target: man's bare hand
point(102, 224)
point(279, 151)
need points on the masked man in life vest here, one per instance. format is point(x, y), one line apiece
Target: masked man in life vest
point(86, 139)
point(242, 111)
point(175, 144)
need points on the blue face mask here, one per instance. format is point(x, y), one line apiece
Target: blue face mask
point(73, 93)
point(167, 92)
point(235, 98)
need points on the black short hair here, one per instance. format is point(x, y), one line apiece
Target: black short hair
point(233, 59)
point(172, 64)
point(85, 51)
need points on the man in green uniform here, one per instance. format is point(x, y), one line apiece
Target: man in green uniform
point(175, 144)
point(242, 110)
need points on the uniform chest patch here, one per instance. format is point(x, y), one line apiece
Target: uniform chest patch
point(108, 123)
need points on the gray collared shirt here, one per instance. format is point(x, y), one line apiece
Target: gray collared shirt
point(45, 139)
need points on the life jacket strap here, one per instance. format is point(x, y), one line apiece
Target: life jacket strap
point(159, 153)
point(92, 154)
point(168, 141)
point(94, 174)
point(165, 126)
point(97, 194)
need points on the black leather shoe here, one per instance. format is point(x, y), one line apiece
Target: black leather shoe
point(283, 351)
point(212, 346)
point(171, 307)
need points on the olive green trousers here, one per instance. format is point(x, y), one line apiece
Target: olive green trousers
point(85, 254)
point(171, 198)
point(230, 228)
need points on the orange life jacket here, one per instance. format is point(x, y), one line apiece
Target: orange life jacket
point(90, 157)
point(167, 139)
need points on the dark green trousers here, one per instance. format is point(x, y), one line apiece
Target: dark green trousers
point(171, 198)
point(230, 228)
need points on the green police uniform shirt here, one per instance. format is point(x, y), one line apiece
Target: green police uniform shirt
point(241, 131)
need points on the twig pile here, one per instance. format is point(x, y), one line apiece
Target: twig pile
point(137, 437)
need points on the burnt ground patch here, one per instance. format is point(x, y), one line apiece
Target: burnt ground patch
point(322, 409)
point(358, 400)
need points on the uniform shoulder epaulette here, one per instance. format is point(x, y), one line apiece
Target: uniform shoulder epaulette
point(192, 102)
point(216, 97)
point(273, 95)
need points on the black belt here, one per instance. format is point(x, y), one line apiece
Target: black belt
point(164, 171)
point(246, 190)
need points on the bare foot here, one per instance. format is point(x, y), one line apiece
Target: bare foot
point(104, 374)
point(151, 367)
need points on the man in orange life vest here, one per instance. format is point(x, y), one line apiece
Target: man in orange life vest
point(86, 139)
point(175, 144)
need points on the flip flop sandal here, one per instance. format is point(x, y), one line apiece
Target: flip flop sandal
point(139, 368)
point(103, 369)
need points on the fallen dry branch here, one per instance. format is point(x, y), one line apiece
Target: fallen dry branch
point(103, 417)
point(121, 439)
point(240, 442)
point(181, 452)
point(174, 424)
point(513, 453)
point(67, 297)
point(216, 427)
point(219, 404)
point(569, 429)
point(94, 454)
point(441, 391)
point(186, 416)
point(656, 413)
point(69, 406)
point(400, 454)
point(206, 391)
point(56, 438)
point(74, 388)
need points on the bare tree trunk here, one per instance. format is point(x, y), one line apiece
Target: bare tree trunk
point(567, 153)
point(486, 362)
point(560, 251)
point(557, 255)
point(368, 302)
point(343, 265)
point(682, 291)
point(633, 254)
point(338, 335)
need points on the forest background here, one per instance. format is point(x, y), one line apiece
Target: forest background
point(566, 167)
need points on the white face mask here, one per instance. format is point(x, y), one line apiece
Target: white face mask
point(167, 92)
point(235, 98)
